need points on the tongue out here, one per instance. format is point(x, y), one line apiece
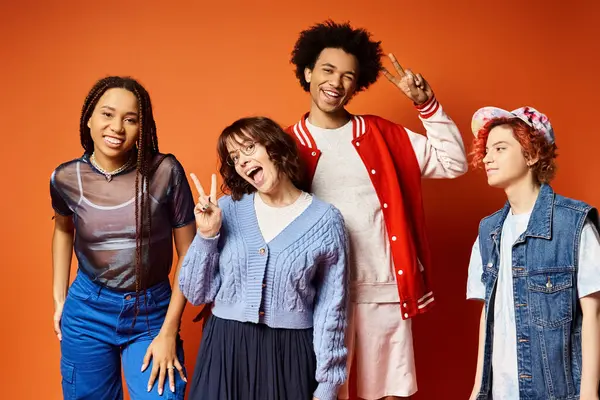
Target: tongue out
point(258, 177)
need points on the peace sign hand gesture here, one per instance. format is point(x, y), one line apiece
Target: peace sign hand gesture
point(413, 85)
point(208, 214)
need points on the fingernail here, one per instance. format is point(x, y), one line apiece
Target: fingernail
point(185, 379)
point(148, 387)
point(173, 389)
point(160, 391)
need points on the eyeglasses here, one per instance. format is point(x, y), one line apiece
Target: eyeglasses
point(234, 156)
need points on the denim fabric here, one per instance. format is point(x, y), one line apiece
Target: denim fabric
point(547, 312)
point(98, 338)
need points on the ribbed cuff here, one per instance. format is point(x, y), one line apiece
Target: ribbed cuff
point(206, 245)
point(428, 108)
point(326, 391)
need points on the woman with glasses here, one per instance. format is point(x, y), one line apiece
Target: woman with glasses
point(271, 259)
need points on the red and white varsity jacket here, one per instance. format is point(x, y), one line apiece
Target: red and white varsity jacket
point(387, 153)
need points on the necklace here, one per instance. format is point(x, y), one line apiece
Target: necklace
point(109, 174)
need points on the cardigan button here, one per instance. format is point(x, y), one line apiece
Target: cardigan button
point(385, 205)
point(405, 315)
point(394, 238)
point(372, 172)
point(400, 272)
point(314, 153)
point(262, 251)
point(404, 305)
point(357, 144)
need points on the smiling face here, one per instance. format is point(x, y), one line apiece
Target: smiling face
point(504, 161)
point(114, 124)
point(332, 80)
point(252, 162)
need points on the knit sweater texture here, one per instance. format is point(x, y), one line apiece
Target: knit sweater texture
point(298, 280)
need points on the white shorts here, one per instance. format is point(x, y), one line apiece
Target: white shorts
point(380, 344)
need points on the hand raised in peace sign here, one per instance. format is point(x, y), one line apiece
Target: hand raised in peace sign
point(208, 214)
point(414, 86)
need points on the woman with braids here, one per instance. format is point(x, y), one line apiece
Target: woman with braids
point(119, 206)
point(272, 260)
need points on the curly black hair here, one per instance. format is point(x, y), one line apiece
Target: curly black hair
point(330, 34)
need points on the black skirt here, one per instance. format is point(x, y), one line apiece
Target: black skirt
point(246, 361)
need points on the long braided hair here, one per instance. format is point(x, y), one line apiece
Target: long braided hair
point(147, 148)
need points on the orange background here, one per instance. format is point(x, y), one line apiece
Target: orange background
point(206, 65)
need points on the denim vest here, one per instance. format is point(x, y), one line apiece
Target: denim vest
point(547, 312)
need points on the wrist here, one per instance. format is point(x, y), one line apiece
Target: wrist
point(168, 332)
point(169, 329)
point(207, 234)
point(423, 103)
point(428, 108)
point(59, 299)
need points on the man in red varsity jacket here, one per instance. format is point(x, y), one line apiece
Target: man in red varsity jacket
point(371, 170)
